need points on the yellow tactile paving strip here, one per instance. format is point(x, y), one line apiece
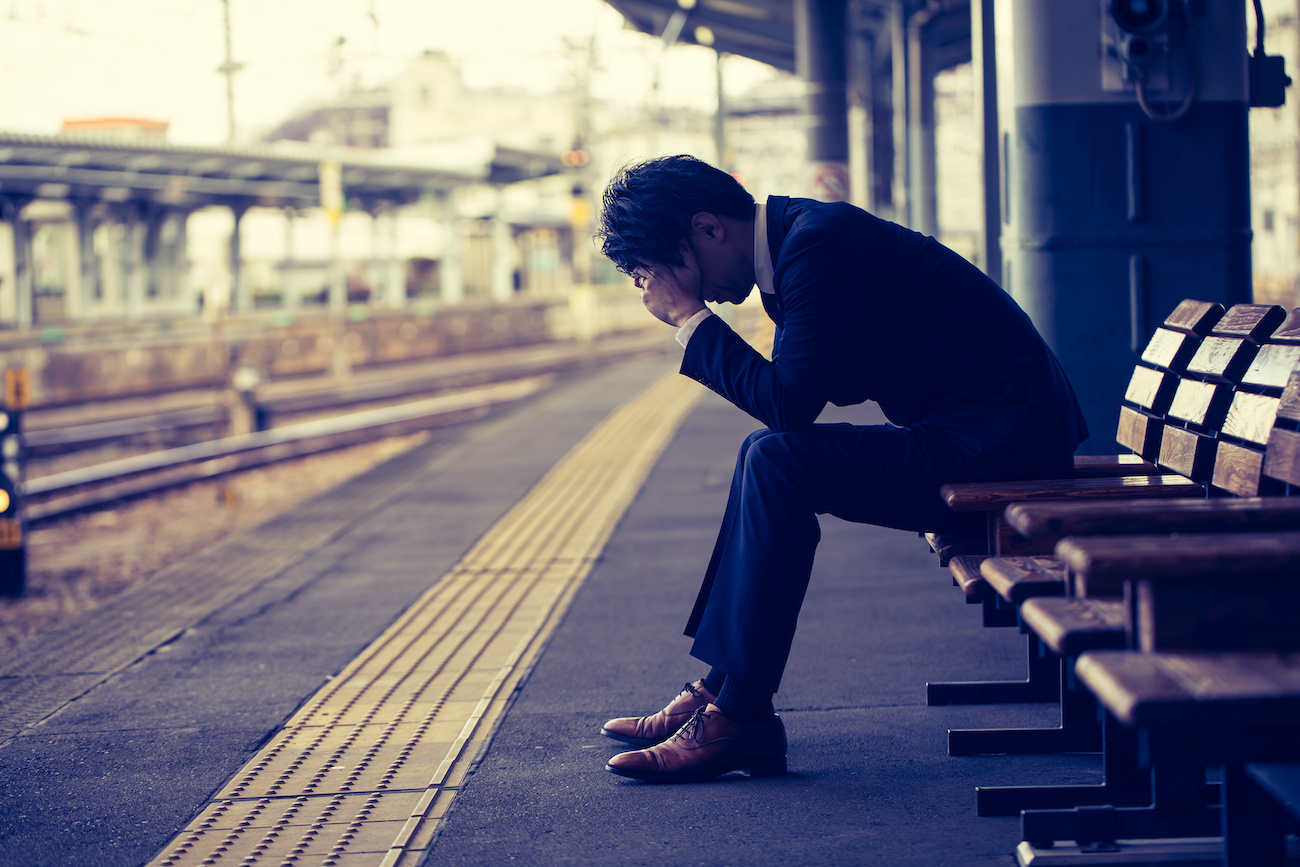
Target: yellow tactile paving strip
point(364, 772)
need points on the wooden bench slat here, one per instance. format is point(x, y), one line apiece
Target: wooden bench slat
point(1272, 366)
point(1201, 403)
point(1289, 330)
point(1195, 317)
point(966, 574)
point(1151, 517)
point(1124, 681)
point(1254, 322)
point(1170, 350)
point(1239, 470)
point(1194, 689)
point(1109, 466)
point(1070, 625)
point(986, 496)
point(1140, 432)
point(1223, 359)
point(1289, 408)
point(1150, 389)
point(1016, 579)
point(1188, 452)
point(1125, 558)
point(1250, 417)
point(1283, 458)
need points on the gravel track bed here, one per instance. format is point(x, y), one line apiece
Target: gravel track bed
point(76, 563)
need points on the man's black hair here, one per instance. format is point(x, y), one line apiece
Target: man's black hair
point(647, 209)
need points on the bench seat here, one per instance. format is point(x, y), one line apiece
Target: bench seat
point(990, 496)
point(1101, 564)
point(966, 575)
point(1016, 579)
point(1072, 625)
point(1195, 689)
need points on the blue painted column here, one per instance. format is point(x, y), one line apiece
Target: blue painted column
point(1114, 215)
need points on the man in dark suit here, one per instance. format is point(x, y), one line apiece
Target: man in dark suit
point(864, 310)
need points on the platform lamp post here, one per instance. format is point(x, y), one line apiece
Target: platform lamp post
point(13, 550)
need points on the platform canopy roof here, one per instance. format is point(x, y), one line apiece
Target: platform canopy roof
point(763, 30)
point(107, 169)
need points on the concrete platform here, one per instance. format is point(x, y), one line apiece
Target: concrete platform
point(116, 729)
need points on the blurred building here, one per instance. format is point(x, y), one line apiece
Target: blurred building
point(119, 128)
point(1275, 170)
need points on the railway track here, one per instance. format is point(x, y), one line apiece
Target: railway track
point(463, 389)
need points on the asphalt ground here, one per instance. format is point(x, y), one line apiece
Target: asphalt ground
point(116, 728)
point(870, 782)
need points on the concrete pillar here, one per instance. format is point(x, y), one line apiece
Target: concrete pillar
point(394, 281)
point(922, 193)
point(451, 277)
point(137, 274)
point(821, 57)
point(87, 268)
point(898, 54)
point(11, 207)
point(290, 285)
point(241, 299)
point(187, 292)
point(984, 63)
point(1117, 215)
point(160, 275)
point(337, 300)
point(503, 259)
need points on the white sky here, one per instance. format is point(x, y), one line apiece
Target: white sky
point(158, 59)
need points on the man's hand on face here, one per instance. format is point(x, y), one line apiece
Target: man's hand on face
point(672, 294)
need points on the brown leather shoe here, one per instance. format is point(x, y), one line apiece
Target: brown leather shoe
point(708, 745)
point(646, 731)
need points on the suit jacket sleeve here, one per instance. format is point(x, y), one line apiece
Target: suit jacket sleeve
point(721, 359)
point(815, 345)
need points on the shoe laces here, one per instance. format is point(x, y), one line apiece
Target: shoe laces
point(693, 727)
point(690, 687)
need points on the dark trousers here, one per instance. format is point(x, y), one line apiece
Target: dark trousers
point(744, 620)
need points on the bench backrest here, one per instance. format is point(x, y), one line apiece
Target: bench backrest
point(1240, 466)
point(1187, 391)
point(1282, 460)
point(1155, 380)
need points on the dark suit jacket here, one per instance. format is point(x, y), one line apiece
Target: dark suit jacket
point(869, 310)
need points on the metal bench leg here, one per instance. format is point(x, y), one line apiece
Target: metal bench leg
point(1043, 684)
point(1123, 783)
point(1079, 731)
point(1181, 808)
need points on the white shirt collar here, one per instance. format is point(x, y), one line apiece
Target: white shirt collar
point(764, 272)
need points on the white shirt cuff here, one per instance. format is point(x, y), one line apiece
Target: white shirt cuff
point(688, 327)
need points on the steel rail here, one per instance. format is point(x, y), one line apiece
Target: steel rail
point(147, 473)
point(454, 372)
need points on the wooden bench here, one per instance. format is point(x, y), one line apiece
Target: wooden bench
point(1212, 676)
point(1263, 410)
point(1179, 396)
point(1092, 617)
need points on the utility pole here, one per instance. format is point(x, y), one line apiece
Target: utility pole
point(228, 69)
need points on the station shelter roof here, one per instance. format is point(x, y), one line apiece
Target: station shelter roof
point(281, 175)
point(763, 30)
